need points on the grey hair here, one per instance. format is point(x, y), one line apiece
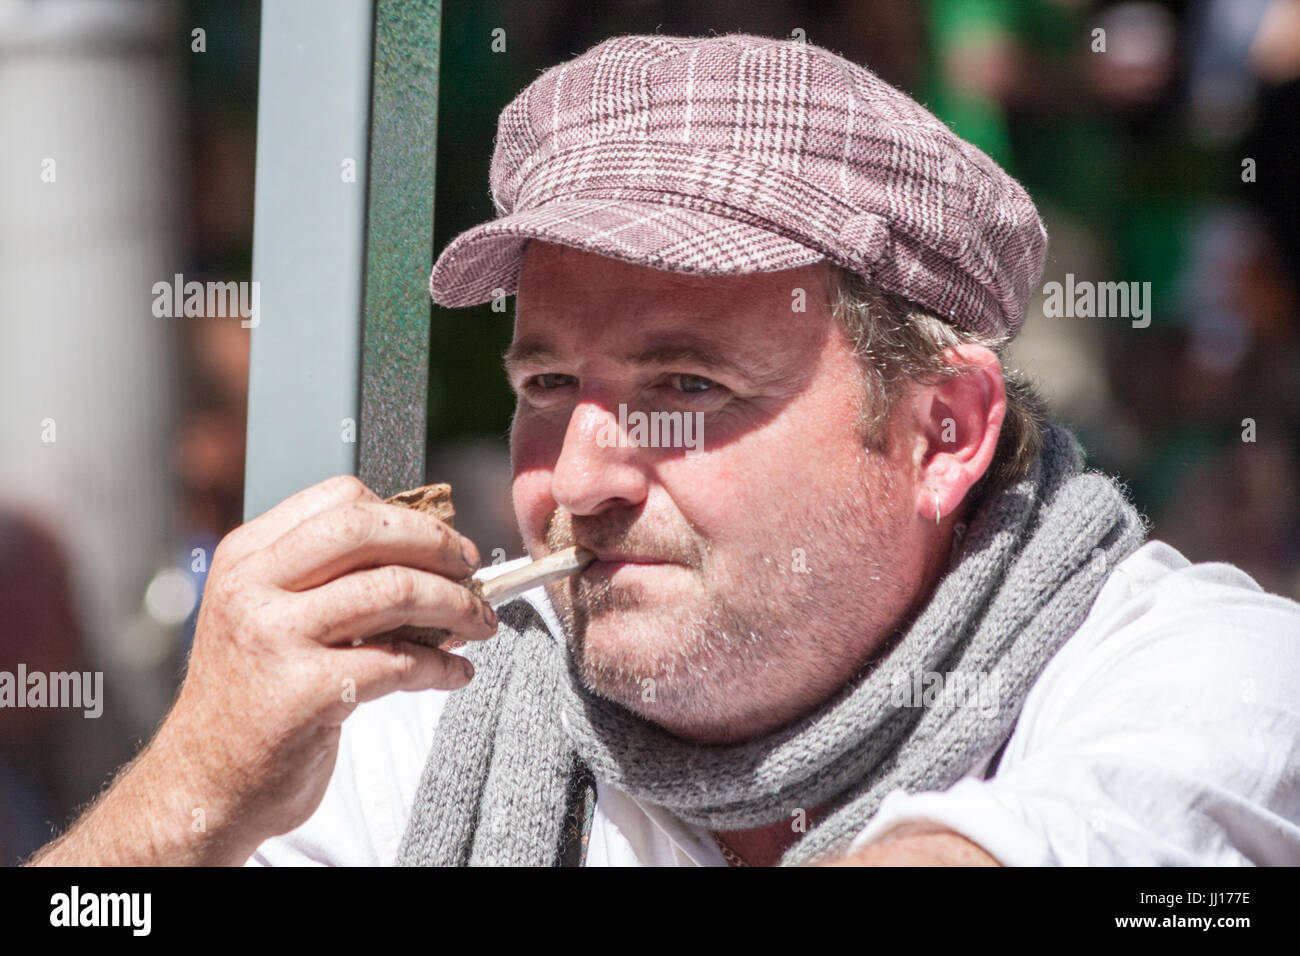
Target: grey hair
point(896, 342)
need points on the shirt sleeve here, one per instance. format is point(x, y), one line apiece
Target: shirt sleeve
point(1165, 732)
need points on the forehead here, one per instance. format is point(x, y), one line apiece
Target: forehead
point(566, 291)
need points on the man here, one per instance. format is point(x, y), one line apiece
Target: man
point(876, 614)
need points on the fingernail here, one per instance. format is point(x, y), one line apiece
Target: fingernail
point(489, 615)
point(470, 554)
point(468, 668)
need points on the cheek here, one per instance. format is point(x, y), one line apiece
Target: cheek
point(797, 462)
point(771, 489)
point(741, 499)
point(532, 460)
point(532, 508)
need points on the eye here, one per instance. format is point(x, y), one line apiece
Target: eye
point(692, 384)
point(551, 380)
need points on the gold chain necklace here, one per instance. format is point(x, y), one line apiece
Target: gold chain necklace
point(731, 856)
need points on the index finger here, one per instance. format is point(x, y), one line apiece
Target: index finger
point(293, 511)
point(363, 535)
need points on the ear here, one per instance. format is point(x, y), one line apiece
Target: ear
point(957, 427)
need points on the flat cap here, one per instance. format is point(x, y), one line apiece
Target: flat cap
point(736, 154)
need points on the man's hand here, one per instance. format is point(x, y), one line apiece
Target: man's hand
point(249, 746)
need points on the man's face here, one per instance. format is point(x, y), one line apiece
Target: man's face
point(739, 585)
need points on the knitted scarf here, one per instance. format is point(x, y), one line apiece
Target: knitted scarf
point(499, 782)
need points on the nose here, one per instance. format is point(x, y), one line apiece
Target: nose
point(596, 470)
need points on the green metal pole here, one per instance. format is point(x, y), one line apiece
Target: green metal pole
point(399, 244)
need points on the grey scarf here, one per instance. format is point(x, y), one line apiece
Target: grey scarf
point(499, 782)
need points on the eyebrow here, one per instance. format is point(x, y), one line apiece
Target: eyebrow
point(690, 350)
point(527, 353)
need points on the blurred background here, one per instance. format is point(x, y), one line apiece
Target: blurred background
point(127, 155)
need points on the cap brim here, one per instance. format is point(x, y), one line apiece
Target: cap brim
point(483, 263)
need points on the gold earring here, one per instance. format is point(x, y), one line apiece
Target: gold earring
point(937, 514)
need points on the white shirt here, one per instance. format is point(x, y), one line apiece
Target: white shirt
point(1166, 731)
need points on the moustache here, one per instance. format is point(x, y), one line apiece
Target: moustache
point(620, 534)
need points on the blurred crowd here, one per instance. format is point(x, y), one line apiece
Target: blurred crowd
point(1159, 150)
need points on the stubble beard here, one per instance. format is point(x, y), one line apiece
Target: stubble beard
point(761, 640)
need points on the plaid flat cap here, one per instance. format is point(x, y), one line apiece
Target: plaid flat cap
point(738, 154)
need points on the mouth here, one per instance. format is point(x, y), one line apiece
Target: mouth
point(615, 557)
point(609, 562)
